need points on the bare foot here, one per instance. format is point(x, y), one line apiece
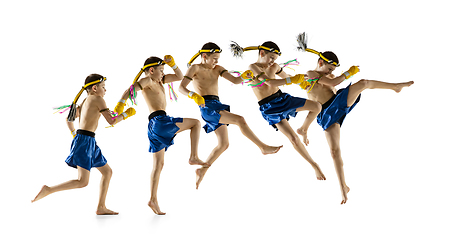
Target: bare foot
point(303, 133)
point(344, 194)
point(200, 173)
point(105, 211)
point(270, 149)
point(45, 190)
point(318, 172)
point(154, 206)
point(400, 86)
point(197, 161)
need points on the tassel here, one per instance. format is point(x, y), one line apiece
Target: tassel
point(258, 84)
point(61, 109)
point(172, 92)
point(133, 95)
point(302, 42)
point(236, 50)
point(72, 113)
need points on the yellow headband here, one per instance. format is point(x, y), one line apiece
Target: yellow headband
point(264, 48)
point(87, 85)
point(203, 51)
point(322, 57)
point(73, 107)
point(146, 66)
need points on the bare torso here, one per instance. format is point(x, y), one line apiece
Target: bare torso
point(320, 92)
point(90, 113)
point(205, 81)
point(154, 94)
point(265, 90)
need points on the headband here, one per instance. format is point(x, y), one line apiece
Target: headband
point(73, 106)
point(302, 42)
point(158, 63)
point(203, 51)
point(237, 51)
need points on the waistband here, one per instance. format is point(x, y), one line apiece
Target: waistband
point(211, 97)
point(270, 98)
point(157, 113)
point(87, 133)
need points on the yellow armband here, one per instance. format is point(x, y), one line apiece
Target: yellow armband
point(120, 106)
point(197, 98)
point(352, 71)
point(74, 133)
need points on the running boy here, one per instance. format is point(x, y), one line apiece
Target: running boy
point(337, 104)
point(216, 115)
point(85, 154)
point(161, 128)
point(276, 107)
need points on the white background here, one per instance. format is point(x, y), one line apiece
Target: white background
point(395, 146)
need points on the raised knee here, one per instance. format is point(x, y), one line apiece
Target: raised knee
point(316, 107)
point(364, 82)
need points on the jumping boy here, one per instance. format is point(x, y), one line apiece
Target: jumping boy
point(85, 154)
point(337, 104)
point(216, 115)
point(161, 128)
point(276, 107)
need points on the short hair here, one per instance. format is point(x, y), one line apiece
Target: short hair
point(209, 46)
point(91, 78)
point(330, 55)
point(152, 60)
point(270, 45)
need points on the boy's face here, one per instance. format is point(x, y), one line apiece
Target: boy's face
point(268, 57)
point(157, 73)
point(99, 89)
point(211, 59)
point(326, 68)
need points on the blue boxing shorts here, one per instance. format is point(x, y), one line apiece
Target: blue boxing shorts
point(335, 109)
point(84, 151)
point(279, 106)
point(161, 130)
point(210, 113)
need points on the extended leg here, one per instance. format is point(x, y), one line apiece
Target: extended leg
point(158, 162)
point(230, 118)
point(194, 126)
point(286, 129)
point(104, 184)
point(333, 138)
point(82, 181)
point(223, 143)
point(314, 109)
point(358, 87)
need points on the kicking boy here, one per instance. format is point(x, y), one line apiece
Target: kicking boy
point(276, 107)
point(216, 115)
point(161, 128)
point(337, 104)
point(85, 154)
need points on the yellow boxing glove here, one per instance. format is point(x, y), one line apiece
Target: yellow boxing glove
point(128, 113)
point(304, 84)
point(298, 78)
point(169, 60)
point(244, 75)
point(352, 71)
point(120, 106)
point(197, 98)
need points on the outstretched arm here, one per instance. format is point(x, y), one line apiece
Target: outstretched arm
point(235, 80)
point(103, 109)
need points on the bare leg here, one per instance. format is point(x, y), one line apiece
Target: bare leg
point(223, 143)
point(333, 138)
point(286, 129)
point(104, 184)
point(82, 181)
point(158, 162)
point(194, 126)
point(230, 118)
point(314, 109)
point(358, 87)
